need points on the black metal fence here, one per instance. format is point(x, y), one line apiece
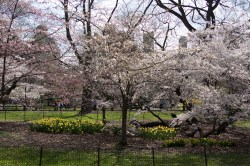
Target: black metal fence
point(33, 108)
point(23, 116)
point(10, 115)
point(46, 156)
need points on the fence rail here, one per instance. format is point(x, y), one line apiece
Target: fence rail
point(44, 156)
point(95, 115)
point(34, 115)
point(32, 108)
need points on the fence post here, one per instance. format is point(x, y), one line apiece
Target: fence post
point(153, 155)
point(5, 115)
point(205, 153)
point(98, 155)
point(104, 115)
point(41, 156)
point(97, 115)
point(24, 115)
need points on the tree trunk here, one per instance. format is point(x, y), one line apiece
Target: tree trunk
point(158, 117)
point(103, 115)
point(2, 99)
point(123, 141)
point(86, 103)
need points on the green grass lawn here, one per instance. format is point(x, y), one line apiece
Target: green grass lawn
point(243, 124)
point(24, 156)
point(93, 117)
point(96, 116)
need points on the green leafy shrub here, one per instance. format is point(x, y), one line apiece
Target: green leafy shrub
point(58, 125)
point(208, 142)
point(193, 142)
point(211, 142)
point(175, 143)
point(226, 143)
point(159, 132)
point(198, 142)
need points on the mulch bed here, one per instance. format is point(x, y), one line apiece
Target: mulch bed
point(19, 134)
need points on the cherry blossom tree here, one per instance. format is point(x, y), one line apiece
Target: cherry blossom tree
point(125, 72)
point(216, 72)
point(76, 22)
point(121, 70)
point(19, 60)
point(65, 82)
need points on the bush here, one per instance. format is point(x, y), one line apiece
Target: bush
point(175, 143)
point(226, 143)
point(58, 125)
point(159, 132)
point(198, 142)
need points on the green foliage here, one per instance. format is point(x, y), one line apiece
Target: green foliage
point(159, 132)
point(245, 124)
point(58, 125)
point(3, 133)
point(182, 142)
point(175, 143)
point(226, 143)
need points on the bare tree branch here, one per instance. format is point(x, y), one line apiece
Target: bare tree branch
point(110, 16)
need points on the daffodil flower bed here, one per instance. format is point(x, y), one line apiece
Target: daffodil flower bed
point(159, 132)
point(58, 125)
point(182, 142)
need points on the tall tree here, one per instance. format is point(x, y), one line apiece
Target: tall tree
point(18, 59)
point(215, 74)
point(84, 58)
point(122, 71)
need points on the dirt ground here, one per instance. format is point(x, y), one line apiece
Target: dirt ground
point(19, 134)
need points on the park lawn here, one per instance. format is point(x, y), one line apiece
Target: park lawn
point(23, 156)
point(13, 116)
point(245, 124)
point(93, 117)
point(117, 116)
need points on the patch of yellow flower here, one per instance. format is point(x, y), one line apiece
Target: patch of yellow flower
point(159, 132)
point(59, 125)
